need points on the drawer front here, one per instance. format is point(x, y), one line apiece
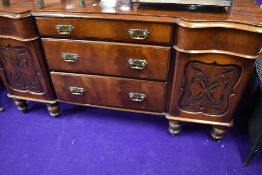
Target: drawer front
point(23, 28)
point(222, 39)
point(104, 29)
point(108, 91)
point(116, 59)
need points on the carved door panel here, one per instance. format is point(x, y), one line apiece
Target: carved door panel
point(23, 69)
point(208, 86)
point(21, 72)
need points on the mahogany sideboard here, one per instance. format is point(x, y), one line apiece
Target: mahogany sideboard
point(189, 66)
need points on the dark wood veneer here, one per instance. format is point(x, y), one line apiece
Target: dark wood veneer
point(106, 58)
point(200, 79)
point(109, 91)
point(243, 11)
point(23, 69)
point(104, 29)
point(211, 89)
point(237, 41)
point(23, 28)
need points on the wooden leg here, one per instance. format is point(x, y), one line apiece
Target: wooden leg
point(2, 108)
point(174, 127)
point(53, 109)
point(218, 132)
point(21, 105)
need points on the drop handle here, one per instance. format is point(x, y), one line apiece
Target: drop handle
point(64, 29)
point(70, 57)
point(138, 34)
point(77, 91)
point(137, 97)
point(137, 64)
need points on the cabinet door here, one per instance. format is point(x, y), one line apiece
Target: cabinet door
point(208, 86)
point(24, 71)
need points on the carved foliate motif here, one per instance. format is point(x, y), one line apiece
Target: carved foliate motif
point(20, 69)
point(208, 87)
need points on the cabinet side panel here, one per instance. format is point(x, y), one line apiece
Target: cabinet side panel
point(208, 86)
point(23, 70)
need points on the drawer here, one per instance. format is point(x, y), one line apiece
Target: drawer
point(23, 28)
point(104, 58)
point(104, 29)
point(221, 39)
point(109, 91)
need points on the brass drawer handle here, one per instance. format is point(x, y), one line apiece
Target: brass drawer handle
point(77, 91)
point(64, 29)
point(70, 57)
point(138, 34)
point(137, 97)
point(137, 64)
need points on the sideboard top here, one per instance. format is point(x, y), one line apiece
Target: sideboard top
point(242, 12)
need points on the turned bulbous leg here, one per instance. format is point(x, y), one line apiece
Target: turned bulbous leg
point(21, 105)
point(174, 127)
point(218, 132)
point(53, 109)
